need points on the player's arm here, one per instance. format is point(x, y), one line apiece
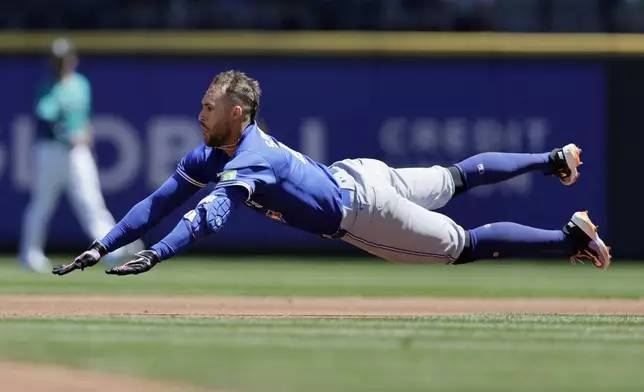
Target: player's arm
point(210, 216)
point(83, 134)
point(139, 220)
point(148, 212)
point(47, 106)
point(47, 109)
point(238, 182)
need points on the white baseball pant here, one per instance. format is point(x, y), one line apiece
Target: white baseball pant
point(57, 168)
point(391, 215)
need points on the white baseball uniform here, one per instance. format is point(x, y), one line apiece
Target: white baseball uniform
point(62, 164)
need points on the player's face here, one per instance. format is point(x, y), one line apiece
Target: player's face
point(215, 119)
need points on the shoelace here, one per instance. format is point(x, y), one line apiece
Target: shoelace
point(577, 258)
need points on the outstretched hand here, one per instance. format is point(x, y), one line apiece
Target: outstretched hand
point(88, 258)
point(143, 262)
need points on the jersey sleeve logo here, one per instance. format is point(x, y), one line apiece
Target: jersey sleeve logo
point(228, 175)
point(275, 216)
point(254, 204)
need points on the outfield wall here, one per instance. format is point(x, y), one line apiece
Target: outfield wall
point(442, 99)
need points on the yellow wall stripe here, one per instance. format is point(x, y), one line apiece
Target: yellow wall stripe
point(332, 43)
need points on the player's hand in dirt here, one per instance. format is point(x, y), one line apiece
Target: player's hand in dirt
point(143, 262)
point(88, 258)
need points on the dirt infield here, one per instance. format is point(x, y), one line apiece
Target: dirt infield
point(40, 378)
point(19, 377)
point(30, 306)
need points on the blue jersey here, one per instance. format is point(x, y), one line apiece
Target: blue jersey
point(282, 184)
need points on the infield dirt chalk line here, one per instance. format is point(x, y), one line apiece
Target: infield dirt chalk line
point(213, 306)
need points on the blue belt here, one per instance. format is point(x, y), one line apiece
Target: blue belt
point(337, 235)
point(347, 200)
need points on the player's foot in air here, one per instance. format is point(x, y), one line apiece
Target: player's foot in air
point(565, 162)
point(583, 233)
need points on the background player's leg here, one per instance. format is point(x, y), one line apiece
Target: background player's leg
point(49, 176)
point(87, 200)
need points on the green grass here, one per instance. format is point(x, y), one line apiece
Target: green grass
point(475, 353)
point(301, 277)
point(482, 353)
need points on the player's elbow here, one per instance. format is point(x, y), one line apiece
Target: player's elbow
point(217, 213)
point(209, 217)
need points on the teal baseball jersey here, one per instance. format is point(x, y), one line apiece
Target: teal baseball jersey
point(63, 108)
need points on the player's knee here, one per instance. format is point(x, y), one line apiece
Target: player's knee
point(43, 207)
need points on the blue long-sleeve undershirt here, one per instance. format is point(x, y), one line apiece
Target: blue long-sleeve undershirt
point(149, 212)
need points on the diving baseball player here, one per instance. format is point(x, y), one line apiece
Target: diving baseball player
point(385, 211)
point(63, 160)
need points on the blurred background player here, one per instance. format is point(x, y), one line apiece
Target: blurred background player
point(63, 160)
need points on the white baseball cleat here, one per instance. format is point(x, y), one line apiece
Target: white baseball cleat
point(565, 162)
point(583, 232)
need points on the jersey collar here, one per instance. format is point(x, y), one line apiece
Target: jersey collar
point(250, 128)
